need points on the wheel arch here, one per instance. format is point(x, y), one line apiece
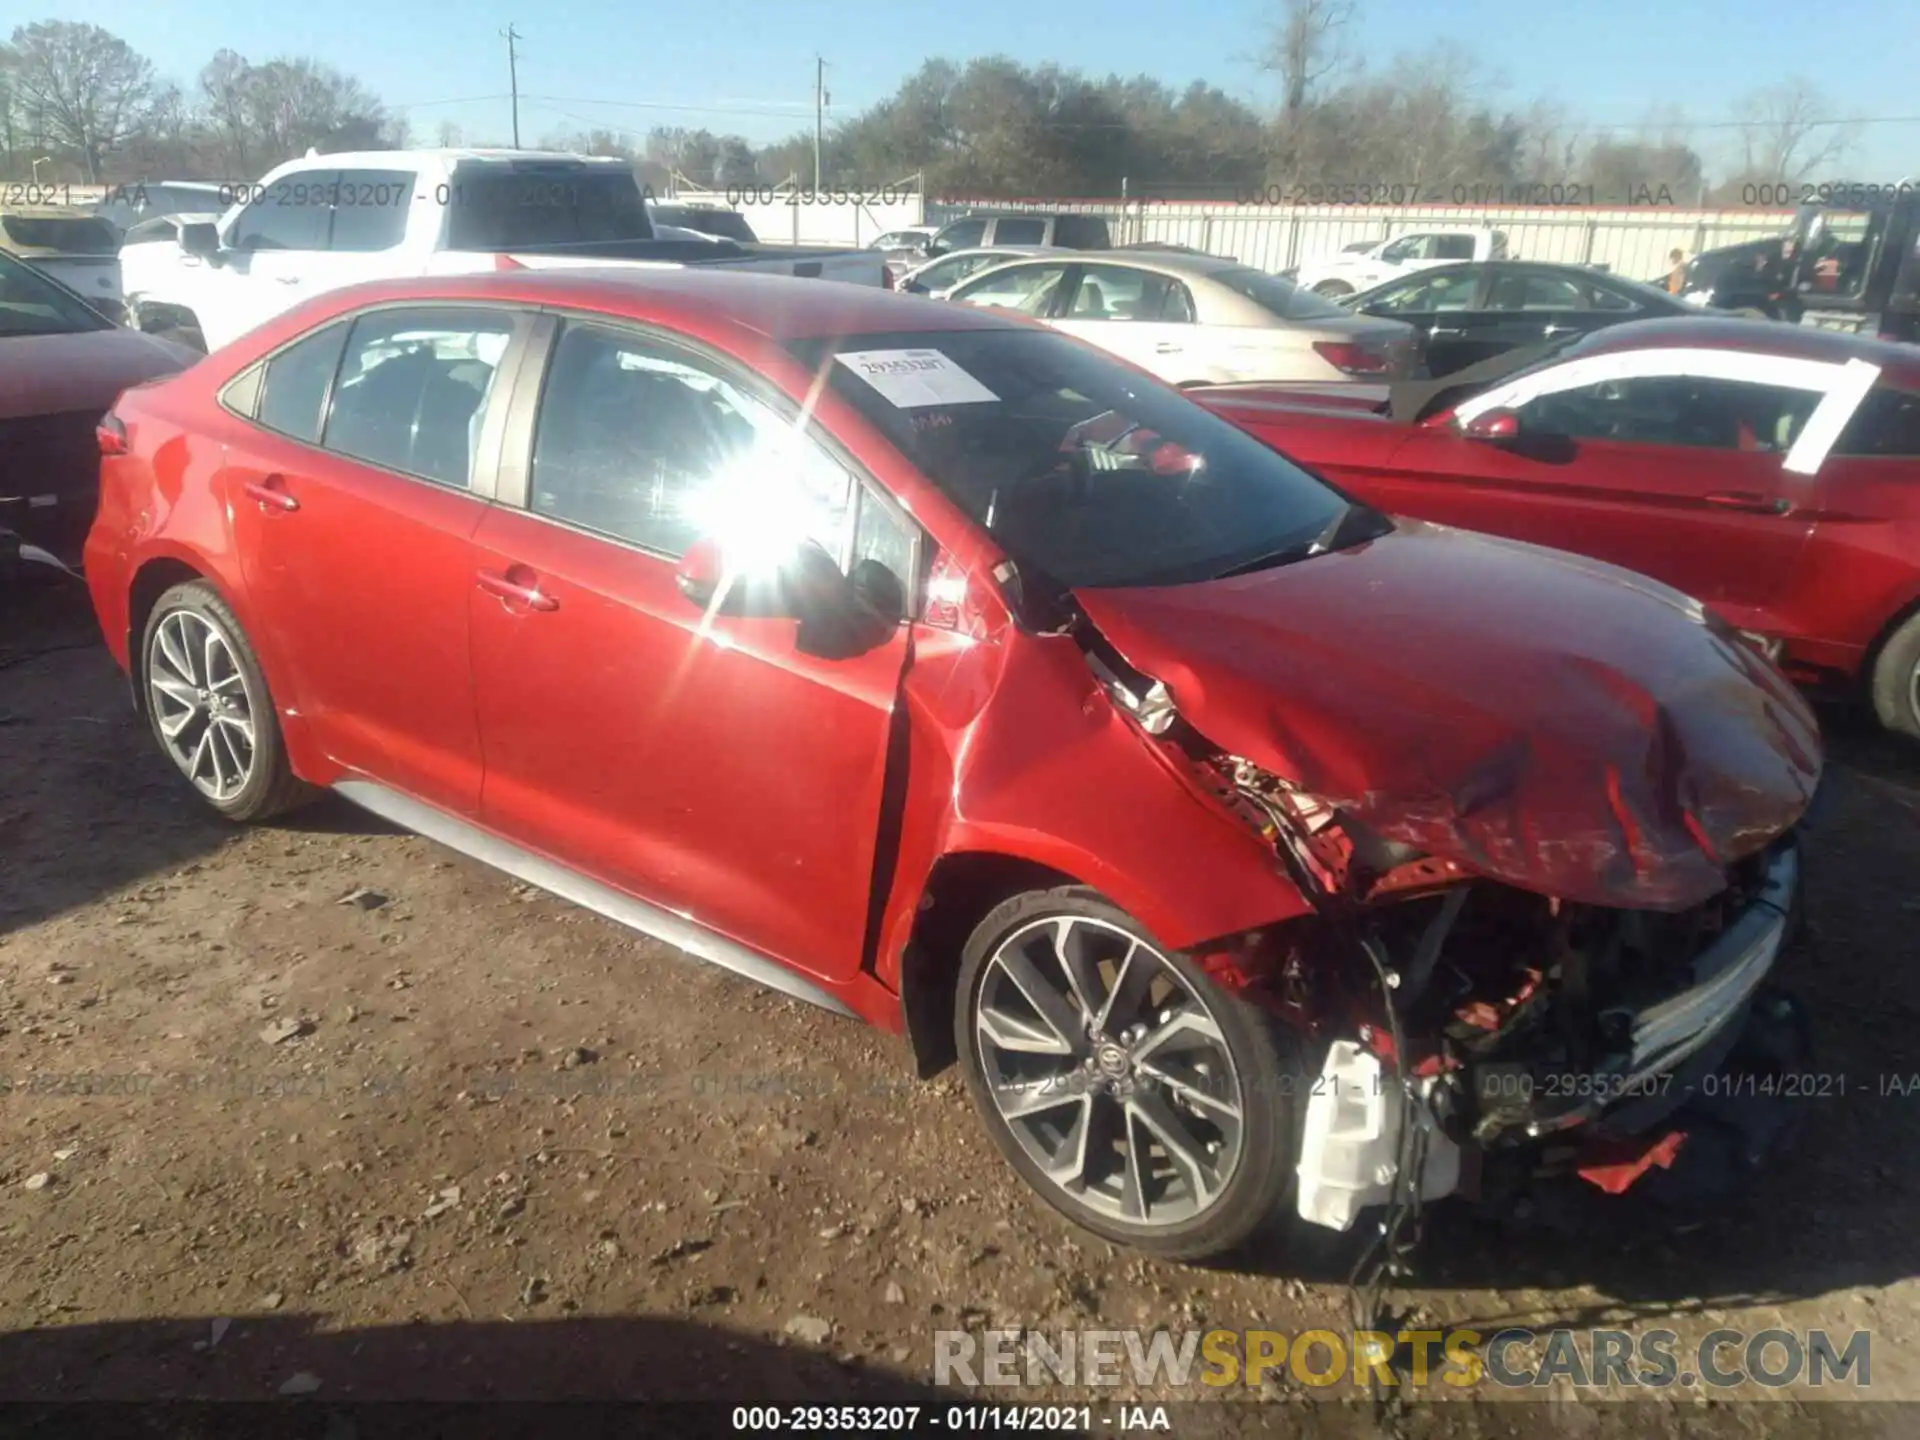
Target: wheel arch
point(1870, 659)
point(962, 888)
point(150, 580)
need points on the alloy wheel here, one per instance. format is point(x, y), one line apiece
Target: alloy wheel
point(1913, 694)
point(1110, 1070)
point(201, 704)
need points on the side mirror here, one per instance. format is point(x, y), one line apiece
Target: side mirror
point(200, 238)
point(1497, 427)
point(840, 615)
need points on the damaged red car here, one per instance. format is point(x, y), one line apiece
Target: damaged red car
point(1256, 855)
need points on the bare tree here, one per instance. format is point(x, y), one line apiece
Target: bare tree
point(1789, 133)
point(1303, 48)
point(86, 88)
point(449, 136)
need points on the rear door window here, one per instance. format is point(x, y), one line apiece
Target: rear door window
point(294, 393)
point(1887, 423)
point(412, 388)
point(1451, 247)
point(62, 234)
point(1022, 230)
point(1081, 232)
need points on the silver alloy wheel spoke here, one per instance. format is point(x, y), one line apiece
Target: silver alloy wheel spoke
point(1110, 1069)
point(201, 704)
point(1913, 693)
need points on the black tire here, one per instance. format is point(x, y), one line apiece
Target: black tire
point(1262, 1053)
point(1333, 289)
point(1895, 686)
point(271, 788)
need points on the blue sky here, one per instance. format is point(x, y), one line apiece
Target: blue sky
point(730, 65)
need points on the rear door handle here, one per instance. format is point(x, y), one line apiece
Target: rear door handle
point(1168, 347)
point(272, 491)
point(519, 583)
point(1446, 330)
point(288, 279)
point(1750, 500)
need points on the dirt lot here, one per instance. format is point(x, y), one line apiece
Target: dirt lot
point(457, 1139)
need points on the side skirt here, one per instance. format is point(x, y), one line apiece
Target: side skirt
point(680, 931)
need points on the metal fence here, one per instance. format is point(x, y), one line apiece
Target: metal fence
point(1633, 241)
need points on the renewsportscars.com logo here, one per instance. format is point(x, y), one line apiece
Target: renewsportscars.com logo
point(1512, 1358)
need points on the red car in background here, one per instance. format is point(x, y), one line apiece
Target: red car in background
point(1770, 471)
point(933, 667)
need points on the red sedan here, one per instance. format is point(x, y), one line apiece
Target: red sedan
point(1771, 471)
point(932, 667)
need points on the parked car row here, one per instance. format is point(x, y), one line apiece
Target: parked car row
point(1261, 789)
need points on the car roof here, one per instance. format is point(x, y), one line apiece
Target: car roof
point(701, 301)
point(1159, 262)
point(1802, 342)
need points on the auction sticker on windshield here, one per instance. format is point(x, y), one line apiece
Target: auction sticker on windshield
point(910, 379)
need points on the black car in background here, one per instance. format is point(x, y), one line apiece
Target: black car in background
point(1467, 313)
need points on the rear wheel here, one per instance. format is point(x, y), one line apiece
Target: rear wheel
point(1896, 680)
point(1128, 1091)
point(209, 708)
point(1333, 289)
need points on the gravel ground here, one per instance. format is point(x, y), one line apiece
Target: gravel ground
point(452, 1138)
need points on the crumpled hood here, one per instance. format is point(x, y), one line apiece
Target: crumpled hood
point(1551, 721)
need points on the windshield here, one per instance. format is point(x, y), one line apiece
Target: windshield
point(31, 304)
point(515, 207)
point(1078, 466)
point(1277, 296)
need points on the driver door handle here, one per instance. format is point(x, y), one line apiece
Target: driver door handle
point(1750, 500)
point(271, 492)
point(1168, 347)
point(517, 584)
point(1446, 330)
point(288, 279)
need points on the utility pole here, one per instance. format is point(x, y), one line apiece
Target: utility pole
point(510, 35)
point(819, 115)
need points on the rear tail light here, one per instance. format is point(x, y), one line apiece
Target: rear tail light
point(886, 278)
point(112, 436)
point(1354, 358)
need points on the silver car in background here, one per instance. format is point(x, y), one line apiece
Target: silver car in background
point(1196, 319)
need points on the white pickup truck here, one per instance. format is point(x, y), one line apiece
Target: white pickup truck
point(1355, 269)
point(324, 221)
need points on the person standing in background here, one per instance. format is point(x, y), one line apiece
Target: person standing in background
point(1676, 272)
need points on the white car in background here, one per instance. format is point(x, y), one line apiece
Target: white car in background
point(1195, 319)
point(1362, 265)
point(937, 277)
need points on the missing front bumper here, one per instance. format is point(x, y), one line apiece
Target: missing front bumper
point(1358, 1111)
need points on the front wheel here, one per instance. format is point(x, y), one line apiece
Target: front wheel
point(1332, 289)
point(1132, 1094)
point(1896, 680)
point(207, 702)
